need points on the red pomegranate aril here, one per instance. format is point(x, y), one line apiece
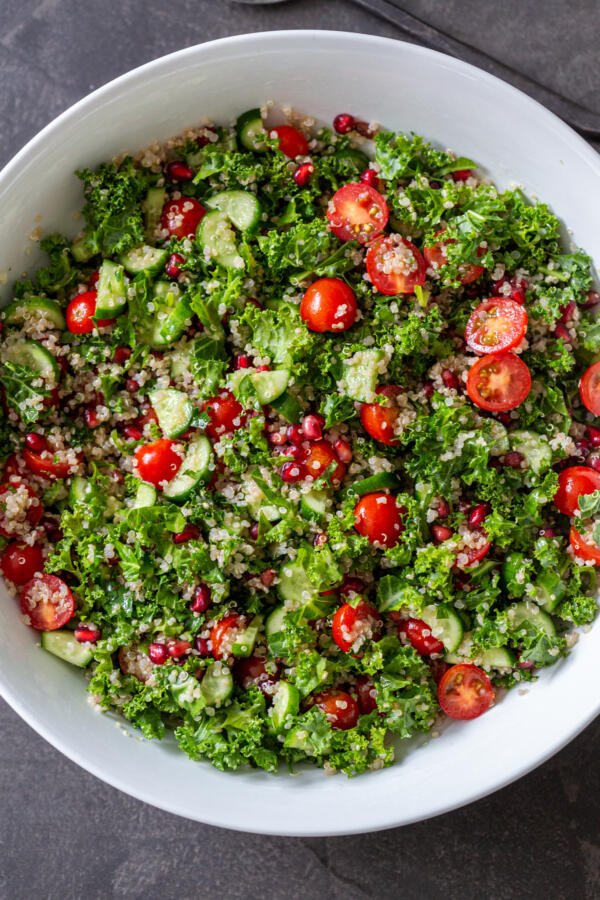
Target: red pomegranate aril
point(438, 668)
point(441, 533)
point(364, 129)
point(37, 443)
point(93, 280)
point(443, 508)
point(132, 385)
point(428, 390)
point(242, 361)
point(518, 295)
point(562, 334)
point(567, 313)
point(121, 355)
point(176, 648)
point(268, 577)
point(352, 585)
point(190, 533)
point(277, 438)
point(52, 528)
point(320, 539)
point(263, 368)
point(291, 472)
point(547, 533)
point(90, 417)
point(526, 664)
point(343, 123)
point(592, 299)
point(312, 427)
point(462, 174)
point(593, 435)
point(593, 462)
point(343, 450)
point(503, 418)
point(178, 171)
point(303, 174)
point(132, 433)
point(202, 599)
point(174, 264)
point(295, 435)
point(158, 654)
point(450, 379)
point(583, 447)
point(203, 647)
point(254, 531)
point(478, 515)
point(513, 459)
point(86, 633)
point(203, 139)
point(370, 177)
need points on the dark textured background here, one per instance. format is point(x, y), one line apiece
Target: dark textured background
point(63, 834)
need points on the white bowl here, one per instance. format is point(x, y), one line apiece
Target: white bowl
point(322, 73)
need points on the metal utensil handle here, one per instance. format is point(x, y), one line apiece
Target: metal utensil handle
point(581, 119)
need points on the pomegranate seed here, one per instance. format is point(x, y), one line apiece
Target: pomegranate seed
point(132, 385)
point(352, 585)
point(295, 435)
point(190, 533)
point(36, 442)
point(343, 123)
point(513, 459)
point(370, 177)
point(441, 533)
point(436, 185)
point(593, 462)
point(158, 654)
point(443, 508)
point(562, 334)
point(526, 664)
point(518, 296)
point(52, 528)
point(291, 472)
point(86, 633)
point(203, 139)
point(178, 171)
point(90, 417)
point(117, 476)
point(504, 418)
point(203, 647)
point(462, 174)
point(364, 129)
point(583, 447)
point(242, 361)
point(593, 435)
point(592, 299)
point(93, 280)
point(268, 577)
point(567, 313)
point(254, 531)
point(428, 390)
point(478, 515)
point(450, 379)
point(276, 438)
point(312, 427)
point(343, 450)
point(547, 532)
point(202, 599)
point(176, 648)
point(303, 174)
point(132, 433)
point(263, 368)
point(320, 539)
point(121, 355)
point(173, 266)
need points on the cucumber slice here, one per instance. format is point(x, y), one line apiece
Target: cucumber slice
point(217, 238)
point(84, 247)
point(152, 208)
point(492, 658)
point(20, 311)
point(360, 374)
point(174, 410)
point(549, 590)
point(79, 490)
point(145, 495)
point(34, 356)
point(445, 625)
point(294, 586)
point(528, 612)
point(274, 622)
point(534, 447)
point(315, 504)
point(242, 208)
point(286, 704)
point(64, 645)
point(270, 385)
point(144, 259)
point(187, 693)
point(244, 642)
point(181, 360)
point(382, 481)
point(172, 315)
point(288, 407)
point(111, 291)
point(217, 685)
point(257, 502)
point(197, 467)
point(250, 131)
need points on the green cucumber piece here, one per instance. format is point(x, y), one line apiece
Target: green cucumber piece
point(34, 356)
point(152, 208)
point(111, 291)
point(20, 311)
point(217, 238)
point(445, 625)
point(274, 622)
point(197, 467)
point(492, 658)
point(269, 386)
point(360, 375)
point(181, 360)
point(258, 504)
point(84, 247)
point(64, 645)
point(534, 447)
point(244, 641)
point(171, 316)
point(241, 207)
point(217, 684)
point(286, 705)
point(80, 488)
point(288, 407)
point(151, 260)
point(145, 495)
point(382, 481)
point(549, 590)
point(294, 585)
point(174, 411)
point(250, 131)
point(187, 693)
point(528, 612)
point(315, 504)
point(355, 159)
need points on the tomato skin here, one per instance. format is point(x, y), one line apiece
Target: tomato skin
point(225, 415)
point(222, 633)
point(181, 217)
point(586, 550)
point(252, 672)
point(409, 265)
point(378, 518)
point(366, 693)
point(589, 389)
point(572, 483)
point(47, 464)
point(80, 314)
point(157, 462)
point(357, 212)
point(341, 709)
point(19, 562)
point(348, 621)
point(48, 602)
point(511, 382)
point(329, 304)
point(379, 421)
point(496, 324)
point(465, 692)
point(474, 555)
point(317, 458)
point(34, 513)
point(418, 633)
point(436, 257)
point(291, 142)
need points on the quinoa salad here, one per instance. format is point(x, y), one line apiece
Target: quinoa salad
point(299, 442)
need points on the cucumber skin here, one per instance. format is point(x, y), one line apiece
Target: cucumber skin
point(63, 645)
point(49, 308)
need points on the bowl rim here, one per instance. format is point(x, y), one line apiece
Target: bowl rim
point(387, 818)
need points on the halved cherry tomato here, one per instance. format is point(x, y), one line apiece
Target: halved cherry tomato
point(181, 217)
point(13, 466)
point(379, 419)
point(80, 314)
point(252, 672)
point(19, 562)
point(357, 212)
point(465, 692)
point(378, 518)
point(351, 623)
point(436, 256)
point(20, 508)
point(49, 463)
point(329, 304)
point(498, 382)
point(496, 324)
point(473, 554)
point(366, 693)
point(341, 709)
point(589, 389)
point(572, 483)
point(47, 602)
point(291, 141)
point(394, 265)
point(584, 549)
point(157, 462)
point(418, 633)
point(224, 633)
point(318, 457)
point(225, 415)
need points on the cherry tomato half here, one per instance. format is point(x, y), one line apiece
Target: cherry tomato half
point(329, 304)
point(498, 382)
point(418, 633)
point(357, 212)
point(51, 464)
point(572, 483)
point(225, 415)
point(318, 457)
point(80, 314)
point(436, 256)
point(341, 709)
point(157, 462)
point(352, 623)
point(252, 672)
point(19, 562)
point(378, 518)
point(589, 389)
point(291, 141)
point(587, 550)
point(47, 602)
point(496, 324)
point(181, 217)
point(379, 419)
point(395, 266)
point(465, 692)
point(20, 509)
point(224, 633)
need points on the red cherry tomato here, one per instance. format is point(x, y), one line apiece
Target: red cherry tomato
point(465, 692)
point(378, 518)
point(318, 457)
point(572, 483)
point(50, 464)
point(157, 462)
point(80, 314)
point(498, 382)
point(329, 304)
point(225, 415)
point(418, 633)
point(589, 389)
point(252, 672)
point(357, 212)
point(291, 141)
point(395, 266)
point(341, 710)
point(379, 420)
point(19, 562)
point(473, 554)
point(224, 633)
point(47, 602)
point(181, 217)
point(366, 693)
point(12, 466)
point(584, 549)
point(436, 256)
point(20, 509)
point(352, 625)
point(496, 324)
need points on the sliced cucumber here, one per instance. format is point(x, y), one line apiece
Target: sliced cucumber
point(111, 291)
point(250, 130)
point(145, 495)
point(445, 625)
point(549, 590)
point(257, 502)
point(64, 645)
point(274, 622)
point(34, 356)
point(187, 693)
point(492, 658)
point(382, 481)
point(528, 612)
point(288, 407)
point(286, 704)
point(84, 247)
point(360, 375)
point(315, 504)
point(181, 360)
point(79, 490)
point(270, 385)
point(145, 259)
point(217, 685)
point(241, 207)
point(172, 315)
point(174, 411)
point(218, 240)
point(196, 468)
point(20, 311)
point(294, 585)
point(534, 447)
point(153, 207)
point(245, 640)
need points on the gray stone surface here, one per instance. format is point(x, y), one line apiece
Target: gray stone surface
point(63, 834)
